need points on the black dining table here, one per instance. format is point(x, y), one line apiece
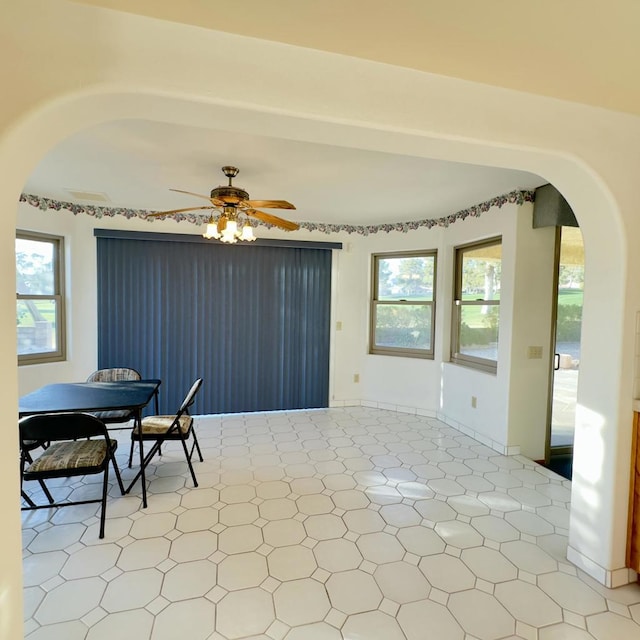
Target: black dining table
point(61, 397)
point(132, 395)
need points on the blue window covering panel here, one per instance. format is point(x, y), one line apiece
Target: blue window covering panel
point(252, 321)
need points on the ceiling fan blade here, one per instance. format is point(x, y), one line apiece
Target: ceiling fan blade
point(175, 211)
point(274, 220)
point(216, 201)
point(267, 204)
point(190, 193)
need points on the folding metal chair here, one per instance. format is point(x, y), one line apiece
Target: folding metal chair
point(116, 374)
point(79, 445)
point(160, 429)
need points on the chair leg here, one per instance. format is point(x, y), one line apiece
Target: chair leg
point(196, 444)
point(26, 457)
point(45, 490)
point(131, 453)
point(105, 486)
point(27, 499)
point(143, 478)
point(117, 470)
point(188, 457)
point(23, 458)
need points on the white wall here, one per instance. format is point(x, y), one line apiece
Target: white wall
point(67, 66)
point(389, 381)
point(81, 278)
point(80, 284)
point(533, 294)
point(489, 419)
point(408, 384)
point(394, 381)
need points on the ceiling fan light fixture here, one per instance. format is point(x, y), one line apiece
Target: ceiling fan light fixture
point(247, 232)
point(230, 233)
point(212, 229)
point(226, 230)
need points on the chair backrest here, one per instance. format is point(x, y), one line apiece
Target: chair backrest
point(60, 426)
point(115, 374)
point(190, 397)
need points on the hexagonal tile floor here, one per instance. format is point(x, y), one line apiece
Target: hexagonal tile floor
point(352, 523)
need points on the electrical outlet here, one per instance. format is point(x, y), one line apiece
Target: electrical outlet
point(356, 377)
point(474, 402)
point(339, 325)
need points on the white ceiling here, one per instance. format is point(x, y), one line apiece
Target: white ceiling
point(135, 163)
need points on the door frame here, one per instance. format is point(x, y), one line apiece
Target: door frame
point(548, 449)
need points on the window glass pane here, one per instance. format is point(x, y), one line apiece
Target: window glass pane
point(481, 273)
point(37, 321)
point(404, 326)
point(407, 278)
point(35, 268)
point(479, 331)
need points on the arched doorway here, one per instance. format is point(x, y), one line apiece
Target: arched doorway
point(598, 499)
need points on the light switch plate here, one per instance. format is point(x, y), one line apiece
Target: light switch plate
point(534, 353)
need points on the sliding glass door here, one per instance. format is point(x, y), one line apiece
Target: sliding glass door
point(566, 362)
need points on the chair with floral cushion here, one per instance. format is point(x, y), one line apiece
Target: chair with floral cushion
point(116, 374)
point(79, 445)
point(160, 429)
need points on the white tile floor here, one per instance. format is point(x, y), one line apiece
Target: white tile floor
point(351, 523)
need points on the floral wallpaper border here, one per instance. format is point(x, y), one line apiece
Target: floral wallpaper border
point(518, 197)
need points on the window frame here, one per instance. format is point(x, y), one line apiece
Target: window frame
point(59, 298)
point(427, 354)
point(474, 362)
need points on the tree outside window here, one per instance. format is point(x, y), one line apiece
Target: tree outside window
point(402, 305)
point(40, 308)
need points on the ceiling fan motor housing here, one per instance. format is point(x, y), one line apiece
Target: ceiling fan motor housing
point(231, 195)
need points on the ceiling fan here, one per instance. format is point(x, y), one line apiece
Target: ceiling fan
point(233, 206)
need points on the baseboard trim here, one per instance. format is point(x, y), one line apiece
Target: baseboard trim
point(610, 578)
point(429, 413)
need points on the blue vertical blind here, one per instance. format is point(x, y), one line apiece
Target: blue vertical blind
point(252, 321)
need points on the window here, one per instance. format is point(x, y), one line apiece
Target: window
point(402, 304)
point(476, 313)
point(40, 298)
